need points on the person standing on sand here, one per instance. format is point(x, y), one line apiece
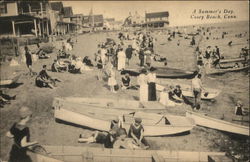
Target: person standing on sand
point(151, 77)
point(141, 57)
point(143, 83)
point(111, 80)
point(197, 89)
point(21, 135)
point(129, 52)
point(103, 53)
point(28, 60)
point(121, 59)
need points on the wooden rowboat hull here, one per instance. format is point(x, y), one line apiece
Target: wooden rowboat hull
point(208, 94)
point(213, 123)
point(222, 71)
point(9, 81)
point(93, 154)
point(239, 59)
point(99, 119)
point(163, 72)
point(120, 104)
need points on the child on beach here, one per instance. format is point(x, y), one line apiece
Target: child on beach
point(112, 81)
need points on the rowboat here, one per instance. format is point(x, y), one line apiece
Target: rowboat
point(94, 154)
point(230, 60)
point(213, 71)
point(7, 82)
point(209, 122)
point(163, 72)
point(208, 94)
point(120, 104)
point(99, 119)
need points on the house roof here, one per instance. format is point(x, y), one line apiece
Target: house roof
point(157, 14)
point(67, 11)
point(57, 6)
point(97, 18)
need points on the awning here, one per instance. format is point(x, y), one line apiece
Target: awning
point(19, 18)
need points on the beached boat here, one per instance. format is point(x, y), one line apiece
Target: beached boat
point(212, 71)
point(163, 72)
point(230, 60)
point(107, 103)
point(94, 154)
point(99, 119)
point(205, 121)
point(7, 82)
point(208, 94)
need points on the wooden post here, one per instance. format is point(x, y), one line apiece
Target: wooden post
point(29, 8)
point(39, 27)
point(13, 28)
point(41, 7)
point(47, 26)
point(68, 29)
point(43, 27)
point(35, 27)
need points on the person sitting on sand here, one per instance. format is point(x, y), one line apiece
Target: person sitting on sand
point(41, 54)
point(173, 96)
point(62, 54)
point(126, 81)
point(136, 131)
point(57, 66)
point(164, 98)
point(5, 99)
point(106, 138)
point(87, 61)
point(44, 80)
point(21, 136)
point(123, 142)
point(239, 109)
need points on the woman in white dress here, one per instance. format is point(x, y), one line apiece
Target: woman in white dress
point(142, 81)
point(121, 59)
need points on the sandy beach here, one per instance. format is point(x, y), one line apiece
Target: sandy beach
point(44, 128)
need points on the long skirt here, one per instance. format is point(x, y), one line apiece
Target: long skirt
point(151, 91)
point(121, 63)
point(144, 92)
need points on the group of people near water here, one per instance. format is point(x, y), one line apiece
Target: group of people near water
point(117, 137)
point(109, 57)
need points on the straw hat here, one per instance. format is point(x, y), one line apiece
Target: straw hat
point(24, 112)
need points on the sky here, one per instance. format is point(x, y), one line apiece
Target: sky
point(180, 12)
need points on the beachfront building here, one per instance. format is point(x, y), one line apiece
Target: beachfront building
point(95, 22)
point(134, 20)
point(78, 20)
point(60, 19)
point(24, 18)
point(156, 19)
point(68, 14)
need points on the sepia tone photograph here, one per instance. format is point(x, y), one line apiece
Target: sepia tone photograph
point(124, 81)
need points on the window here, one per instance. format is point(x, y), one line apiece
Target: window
point(3, 8)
